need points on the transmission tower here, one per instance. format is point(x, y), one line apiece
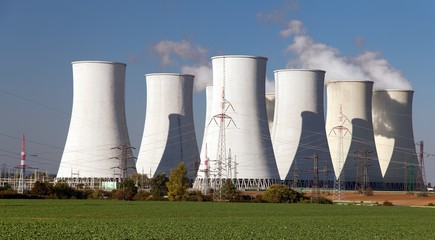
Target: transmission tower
point(123, 158)
point(315, 186)
point(361, 159)
point(294, 184)
point(22, 182)
point(223, 120)
point(325, 171)
point(340, 131)
point(206, 170)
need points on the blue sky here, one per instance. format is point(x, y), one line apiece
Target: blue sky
point(40, 39)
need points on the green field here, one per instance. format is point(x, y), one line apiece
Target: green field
point(107, 219)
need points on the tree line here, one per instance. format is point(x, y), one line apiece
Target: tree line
point(175, 188)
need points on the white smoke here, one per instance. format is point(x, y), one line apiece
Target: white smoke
point(294, 27)
point(367, 66)
point(203, 75)
point(270, 85)
point(384, 75)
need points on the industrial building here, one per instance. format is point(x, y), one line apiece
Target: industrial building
point(97, 152)
point(237, 136)
point(298, 133)
point(169, 132)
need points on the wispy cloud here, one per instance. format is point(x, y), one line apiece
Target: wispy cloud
point(279, 14)
point(168, 51)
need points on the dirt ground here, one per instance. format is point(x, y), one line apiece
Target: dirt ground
point(397, 198)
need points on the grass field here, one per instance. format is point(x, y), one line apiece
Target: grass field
point(101, 219)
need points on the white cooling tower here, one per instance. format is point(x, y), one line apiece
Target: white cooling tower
point(239, 83)
point(349, 118)
point(169, 133)
point(270, 109)
point(208, 124)
point(394, 137)
point(97, 124)
point(299, 123)
point(202, 179)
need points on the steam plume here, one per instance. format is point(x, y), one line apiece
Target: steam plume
point(367, 66)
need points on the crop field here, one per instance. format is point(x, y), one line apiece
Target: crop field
point(107, 219)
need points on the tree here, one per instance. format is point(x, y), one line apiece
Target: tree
point(127, 190)
point(178, 184)
point(62, 190)
point(228, 191)
point(158, 185)
point(41, 188)
point(277, 193)
point(141, 180)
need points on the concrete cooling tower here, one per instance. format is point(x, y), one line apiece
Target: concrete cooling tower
point(394, 138)
point(98, 126)
point(238, 137)
point(270, 109)
point(299, 125)
point(349, 130)
point(169, 132)
point(202, 180)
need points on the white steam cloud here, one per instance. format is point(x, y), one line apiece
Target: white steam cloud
point(184, 51)
point(367, 66)
point(203, 75)
point(270, 85)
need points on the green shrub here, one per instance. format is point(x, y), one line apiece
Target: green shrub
point(281, 194)
point(142, 196)
point(320, 200)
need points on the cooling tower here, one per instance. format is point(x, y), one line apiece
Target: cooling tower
point(299, 124)
point(239, 127)
point(208, 124)
point(270, 109)
point(98, 124)
point(394, 137)
point(169, 133)
point(201, 182)
point(349, 130)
